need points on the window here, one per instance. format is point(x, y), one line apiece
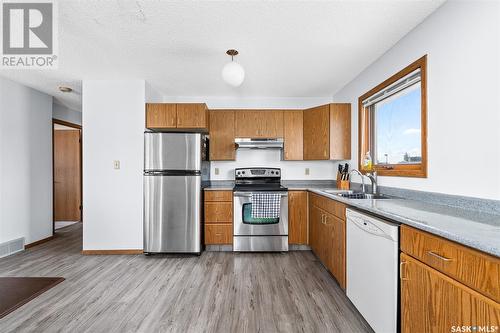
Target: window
point(392, 123)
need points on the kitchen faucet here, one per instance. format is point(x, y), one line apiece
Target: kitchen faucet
point(363, 187)
point(373, 178)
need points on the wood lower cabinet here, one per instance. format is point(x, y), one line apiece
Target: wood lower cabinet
point(293, 135)
point(218, 217)
point(222, 136)
point(327, 132)
point(297, 218)
point(335, 247)
point(176, 115)
point(218, 212)
point(259, 124)
point(327, 235)
point(161, 115)
point(473, 268)
point(315, 221)
point(218, 234)
point(434, 302)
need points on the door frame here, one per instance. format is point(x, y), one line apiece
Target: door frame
point(79, 127)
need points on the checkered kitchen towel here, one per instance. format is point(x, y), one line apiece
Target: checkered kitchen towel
point(265, 205)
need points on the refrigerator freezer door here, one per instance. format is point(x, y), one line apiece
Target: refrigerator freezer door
point(172, 214)
point(172, 151)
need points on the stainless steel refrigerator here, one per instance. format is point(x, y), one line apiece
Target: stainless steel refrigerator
point(175, 165)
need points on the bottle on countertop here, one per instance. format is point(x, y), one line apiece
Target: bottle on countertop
point(367, 162)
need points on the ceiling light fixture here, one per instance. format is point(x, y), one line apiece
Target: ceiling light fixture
point(65, 89)
point(232, 72)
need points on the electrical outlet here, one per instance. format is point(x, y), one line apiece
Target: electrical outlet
point(307, 172)
point(216, 171)
point(116, 164)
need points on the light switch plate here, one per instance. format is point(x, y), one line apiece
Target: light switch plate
point(216, 171)
point(116, 164)
point(307, 172)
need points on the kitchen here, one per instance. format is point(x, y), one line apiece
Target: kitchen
point(284, 193)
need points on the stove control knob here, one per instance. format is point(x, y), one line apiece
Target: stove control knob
point(272, 172)
point(243, 172)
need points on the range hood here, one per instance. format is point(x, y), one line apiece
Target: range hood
point(264, 143)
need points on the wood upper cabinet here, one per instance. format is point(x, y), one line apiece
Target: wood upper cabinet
point(222, 136)
point(434, 302)
point(192, 115)
point(340, 131)
point(175, 115)
point(317, 133)
point(297, 217)
point(327, 132)
point(293, 135)
point(259, 124)
point(161, 115)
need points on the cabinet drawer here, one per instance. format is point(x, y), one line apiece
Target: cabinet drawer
point(475, 269)
point(218, 212)
point(218, 234)
point(331, 206)
point(218, 196)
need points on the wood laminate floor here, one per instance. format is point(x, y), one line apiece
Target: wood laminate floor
point(217, 292)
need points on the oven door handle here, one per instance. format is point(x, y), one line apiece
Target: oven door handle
point(248, 194)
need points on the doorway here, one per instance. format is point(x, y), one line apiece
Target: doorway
point(67, 173)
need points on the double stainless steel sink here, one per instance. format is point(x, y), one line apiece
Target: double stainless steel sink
point(356, 195)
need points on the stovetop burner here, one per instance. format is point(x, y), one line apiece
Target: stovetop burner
point(258, 179)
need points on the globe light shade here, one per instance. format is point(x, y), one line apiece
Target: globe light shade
point(233, 73)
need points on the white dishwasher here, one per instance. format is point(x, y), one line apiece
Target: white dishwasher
point(372, 258)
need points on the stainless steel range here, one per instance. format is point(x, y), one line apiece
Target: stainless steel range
point(254, 233)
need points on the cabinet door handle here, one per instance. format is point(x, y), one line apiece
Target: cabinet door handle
point(435, 255)
point(401, 269)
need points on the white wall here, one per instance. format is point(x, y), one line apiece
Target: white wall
point(290, 170)
point(236, 102)
point(113, 126)
point(462, 42)
point(25, 163)
point(62, 112)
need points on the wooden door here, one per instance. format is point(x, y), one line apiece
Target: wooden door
point(259, 124)
point(297, 217)
point(67, 177)
point(335, 246)
point(192, 115)
point(161, 115)
point(293, 129)
point(340, 131)
point(222, 136)
point(433, 302)
point(317, 133)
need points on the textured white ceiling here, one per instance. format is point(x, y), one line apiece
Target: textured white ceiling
point(288, 48)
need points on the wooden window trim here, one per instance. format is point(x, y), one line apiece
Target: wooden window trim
point(365, 119)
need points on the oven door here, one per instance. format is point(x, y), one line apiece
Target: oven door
point(245, 225)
